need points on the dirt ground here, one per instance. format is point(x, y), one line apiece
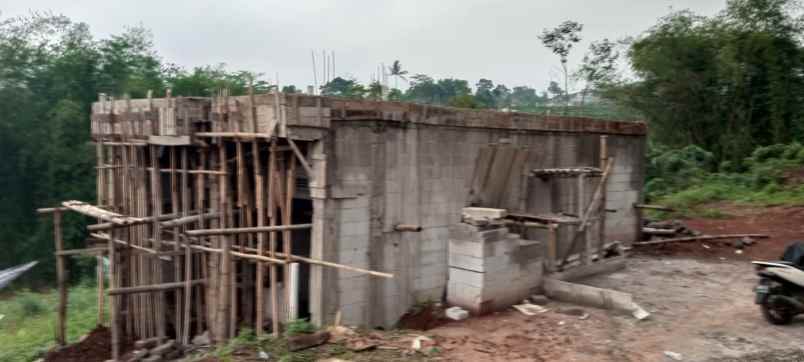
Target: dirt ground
point(700, 300)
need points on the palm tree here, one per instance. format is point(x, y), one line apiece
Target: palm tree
point(396, 71)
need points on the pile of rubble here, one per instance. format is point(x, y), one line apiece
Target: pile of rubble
point(151, 350)
point(653, 230)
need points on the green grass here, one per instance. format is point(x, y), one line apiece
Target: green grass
point(27, 328)
point(694, 200)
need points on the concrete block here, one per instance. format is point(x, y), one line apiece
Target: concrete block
point(457, 313)
point(484, 213)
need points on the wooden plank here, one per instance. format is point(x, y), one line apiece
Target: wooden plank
point(480, 174)
point(497, 180)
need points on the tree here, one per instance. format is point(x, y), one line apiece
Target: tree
point(342, 87)
point(598, 67)
point(290, 89)
point(560, 41)
point(729, 83)
point(502, 96)
point(555, 90)
point(375, 90)
point(396, 71)
point(483, 93)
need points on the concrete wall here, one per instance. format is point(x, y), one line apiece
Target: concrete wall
point(381, 175)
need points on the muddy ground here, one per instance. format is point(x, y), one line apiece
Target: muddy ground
point(700, 298)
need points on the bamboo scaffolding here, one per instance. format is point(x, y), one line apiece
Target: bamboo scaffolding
point(87, 251)
point(247, 230)
point(152, 288)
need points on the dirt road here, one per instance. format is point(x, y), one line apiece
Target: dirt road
point(702, 310)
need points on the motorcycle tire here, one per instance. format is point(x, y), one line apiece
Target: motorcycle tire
point(776, 315)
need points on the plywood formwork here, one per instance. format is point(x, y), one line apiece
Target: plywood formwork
point(223, 194)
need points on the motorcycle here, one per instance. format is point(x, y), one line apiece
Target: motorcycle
point(780, 292)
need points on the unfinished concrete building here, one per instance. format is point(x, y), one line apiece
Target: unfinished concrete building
point(232, 211)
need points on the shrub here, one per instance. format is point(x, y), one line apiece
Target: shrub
point(299, 326)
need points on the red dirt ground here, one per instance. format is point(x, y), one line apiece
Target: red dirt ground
point(783, 224)
point(95, 347)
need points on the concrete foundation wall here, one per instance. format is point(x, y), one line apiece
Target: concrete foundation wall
point(380, 176)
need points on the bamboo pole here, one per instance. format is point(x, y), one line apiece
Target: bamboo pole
point(88, 251)
point(601, 231)
point(177, 267)
point(272, 237)
point(246, 230)
point(113, 306)
point(188, 256)
point(200, 191)
point(287, 214)
point(156, 201)
point(226, 264)
point(61, 275)
point(152, 288)
point(258, 196)
point(300, 157)
point(101, 294)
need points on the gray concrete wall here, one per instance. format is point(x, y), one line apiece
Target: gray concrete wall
point(380, 176)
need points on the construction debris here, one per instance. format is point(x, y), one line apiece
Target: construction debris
point(530, 309)
point(456, 313)
point(304, 341)
point(701, 238)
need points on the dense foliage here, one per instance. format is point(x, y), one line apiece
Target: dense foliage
point(728, 83)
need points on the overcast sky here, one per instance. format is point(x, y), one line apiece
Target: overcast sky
point(467, 39)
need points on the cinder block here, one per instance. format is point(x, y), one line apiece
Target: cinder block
point(484, 213)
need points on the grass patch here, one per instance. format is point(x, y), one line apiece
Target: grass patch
point(27, 328)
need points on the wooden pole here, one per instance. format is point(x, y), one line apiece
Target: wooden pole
point(700, 238)
point(61, 275)
point(156, 203)
point(258, 196)
point(287, 214)
point(272, 238)
point(601, 232)
point(226, 265)
point(246, 230)
point(101, 294)
point(177, 267)
point(114, 322)
point(152, 288)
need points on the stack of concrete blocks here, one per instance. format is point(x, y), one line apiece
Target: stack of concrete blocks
point(489, 268)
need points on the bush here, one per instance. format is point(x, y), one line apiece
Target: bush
point(685, 178)
point(299, 326)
